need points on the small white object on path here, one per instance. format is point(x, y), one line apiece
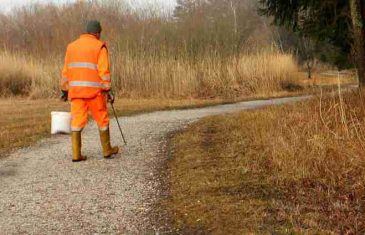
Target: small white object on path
point(61, 123)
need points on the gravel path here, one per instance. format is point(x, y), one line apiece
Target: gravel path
point(43, 192)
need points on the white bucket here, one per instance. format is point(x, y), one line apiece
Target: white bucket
point(61, 123)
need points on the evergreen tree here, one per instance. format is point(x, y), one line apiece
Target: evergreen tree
point(337, 22)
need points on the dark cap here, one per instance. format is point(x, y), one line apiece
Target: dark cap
point(93, 26)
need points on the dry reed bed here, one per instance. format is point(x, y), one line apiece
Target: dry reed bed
point(298, 168)
point(263, 73)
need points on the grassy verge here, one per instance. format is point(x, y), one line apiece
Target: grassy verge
point(282, 170)
point(24, 121)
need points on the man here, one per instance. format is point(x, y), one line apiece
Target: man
point(86, 82)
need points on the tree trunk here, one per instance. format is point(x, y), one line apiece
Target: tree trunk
point(234, 12)
point(359, 46)
point(309, 70)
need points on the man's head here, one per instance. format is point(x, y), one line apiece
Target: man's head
point(93, 27)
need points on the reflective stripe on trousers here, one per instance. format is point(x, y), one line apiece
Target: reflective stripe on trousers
point(104, 128)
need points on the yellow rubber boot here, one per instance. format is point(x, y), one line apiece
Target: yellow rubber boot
point(108, 150)
point(76, 147)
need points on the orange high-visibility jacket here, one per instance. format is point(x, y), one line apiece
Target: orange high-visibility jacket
point(86, 71)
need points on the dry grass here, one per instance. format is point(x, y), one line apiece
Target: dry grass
point(16, 75)
point(292, 169)
point(328, 78)
point(263, 73)
point(25, 121)
point(22, 75)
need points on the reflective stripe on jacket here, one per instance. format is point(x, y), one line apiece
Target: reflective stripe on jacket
point(86, 71)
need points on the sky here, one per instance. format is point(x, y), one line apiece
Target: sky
point(7, 5)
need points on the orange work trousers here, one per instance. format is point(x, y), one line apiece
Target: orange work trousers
point(97, 107)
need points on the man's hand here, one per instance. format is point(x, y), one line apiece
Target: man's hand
point(64, 96)
point(110, 97)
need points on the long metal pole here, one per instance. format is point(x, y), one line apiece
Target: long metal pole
point(116, 118)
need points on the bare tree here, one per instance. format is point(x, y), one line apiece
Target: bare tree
point(307, 53)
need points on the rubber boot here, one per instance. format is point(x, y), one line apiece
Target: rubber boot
point(108, 150)
point(76, 147)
